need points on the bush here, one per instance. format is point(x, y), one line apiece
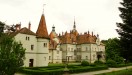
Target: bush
point(111, 63)
point(98, 63)
point(119, 59)
point(85, 63)
point(87, 69)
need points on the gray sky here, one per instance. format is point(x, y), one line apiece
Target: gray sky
point(99, 16)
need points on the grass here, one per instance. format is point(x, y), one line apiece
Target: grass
point(121, 72)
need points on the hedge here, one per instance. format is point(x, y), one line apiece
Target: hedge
point(59, 71)
point(87, 69)
point(121, 65)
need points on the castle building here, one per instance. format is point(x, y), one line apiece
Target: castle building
point(77, 47)
point(42, 48)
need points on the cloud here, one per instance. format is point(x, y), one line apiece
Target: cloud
point(12, 2)
point(99, 16)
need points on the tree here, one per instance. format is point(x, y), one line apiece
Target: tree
point(125, 28)
point(11, 55)
point(1, 26)
point(113, 50)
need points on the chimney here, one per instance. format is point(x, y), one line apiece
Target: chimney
point(18, 27)
point(29, 26)
point(62, 33)
point(97, 35)
point(92, 33)
point(88, 32)
point(59, 34)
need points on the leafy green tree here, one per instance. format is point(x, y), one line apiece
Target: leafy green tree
point(11, 55)
point(125, 29)
point(1, 26)
point(113, 50)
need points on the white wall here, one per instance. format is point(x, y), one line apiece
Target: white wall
point(42, 52)
point(39, 53)
point(26, 41)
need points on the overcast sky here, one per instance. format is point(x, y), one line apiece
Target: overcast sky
point(99, 16)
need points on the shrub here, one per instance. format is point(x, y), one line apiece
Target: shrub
point(85, 63)
point(87, 69)
point(98, 63)
point(119, 60)
point(111, 63)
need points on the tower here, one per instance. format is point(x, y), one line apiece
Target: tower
point(53, 28)
point(74, 26)
point(42, 43)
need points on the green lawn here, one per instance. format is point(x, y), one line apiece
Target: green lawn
point(121, 72)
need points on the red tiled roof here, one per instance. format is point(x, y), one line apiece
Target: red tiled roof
point(79, 39)
point(42, 29)
point(23, 31)
point(86, 38)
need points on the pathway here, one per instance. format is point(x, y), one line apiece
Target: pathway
point(102, 71)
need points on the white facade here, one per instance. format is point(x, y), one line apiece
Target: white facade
point(55, 56)
point(80, 52)
point(36, 54)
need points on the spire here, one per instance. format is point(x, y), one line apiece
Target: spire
point(43, 8)
point(74, 26)
point(53, 28)
point(42, 29)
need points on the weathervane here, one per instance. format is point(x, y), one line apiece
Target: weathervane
point(43, 8)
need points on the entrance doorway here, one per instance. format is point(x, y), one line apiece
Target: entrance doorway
point(30, 62)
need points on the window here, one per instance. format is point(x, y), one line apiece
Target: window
point(79, 49)
point(61, 49)
point(57, 52)
point(68, 49)
point(49, 57)
point(86, 57)
point(45, 44)
point(27, 38)
point(86, 49)
point(71, 49)
point(32, 47)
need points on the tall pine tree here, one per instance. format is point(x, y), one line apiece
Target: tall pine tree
point(125, 29)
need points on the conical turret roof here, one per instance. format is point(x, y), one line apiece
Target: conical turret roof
point(42, 29)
